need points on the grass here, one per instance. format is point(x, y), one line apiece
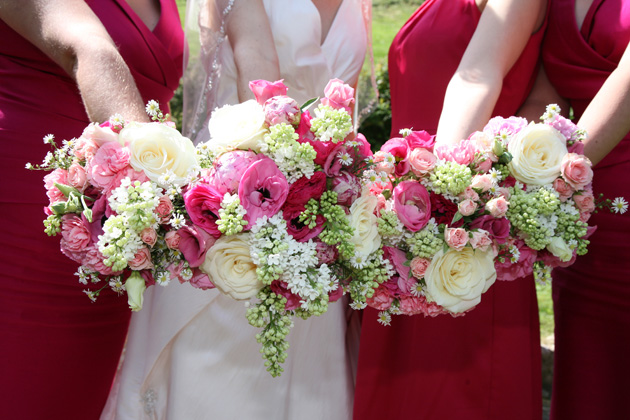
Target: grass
point(388, 16)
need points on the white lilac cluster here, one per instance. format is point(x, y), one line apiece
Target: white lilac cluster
point(366, 279)
point(134, 204)
point(294, 159)
point(280, 257)
point(231, 215)
point(331, 124)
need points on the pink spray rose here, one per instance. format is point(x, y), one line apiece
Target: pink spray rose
point(584, 201)
point(509, 126)
point(462, 152)
point(412, 204)
point(85, 148)
point(480, 240)
point(498, 228)
point(467, 207)
point(338, 95)
point(194, 242)
point(202, 203)
point(422, 161)
point(263, 190)
point(563, 188)
point(228, 169)
point(77, 177)
point(99, 134)
point(149, 236)
point(498, 206)
point(482, 182)
point(576, 170)
point(347, 186)
point(172, 239)
point(456, 238)
point(142, 260)
point(164, 208)
point(469, 194)
point(109, 159)
point(263, 89)
point(281, 109)
point(305, 188)
point(59, 176)
point(419, 266)
point(399, 147)
point(75, 237)
point(381, 165)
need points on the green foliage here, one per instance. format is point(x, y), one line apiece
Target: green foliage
point(377, 124)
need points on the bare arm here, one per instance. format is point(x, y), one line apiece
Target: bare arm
point(255, 54)
point(503, 31)
point(607, 118)
point(73, 37)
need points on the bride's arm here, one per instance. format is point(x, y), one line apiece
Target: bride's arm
point(251, 39)
point(503, 31)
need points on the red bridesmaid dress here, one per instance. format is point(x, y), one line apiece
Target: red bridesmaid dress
point(486, 364)
point(59, 351)
point(592, 297)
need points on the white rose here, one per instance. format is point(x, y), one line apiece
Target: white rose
point(135, 288)
point(559, 248)
point(230, 267)
point(239, 126)
point(457, 279)
point(366, 239)
point(537, 152)
point(156, 149)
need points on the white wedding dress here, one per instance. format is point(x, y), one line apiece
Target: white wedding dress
point(191, 354)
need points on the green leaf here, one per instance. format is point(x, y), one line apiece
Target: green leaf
point(308, 103)
point(457, 217)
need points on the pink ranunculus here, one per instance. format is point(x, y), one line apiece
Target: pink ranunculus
point(297, 229)
point(302, 190)
point(58, 176)
point(498, 206)
point(149, 236)
point(576, 170)
point(172, 239)
point(202, 203)
point(381, 300)
point(338, 95)
point(412, 205)
point(419, 266)
point(563, 189)
point(347, 186)
point(280, 288)
point(480, 240)
point(422, 161)
point(326, 254)
point(85, 148)
point(412, 305)
point(467, 207)
point(99, 134)
point(142, 260)
point(263, 89)
point(75, 237)
point(498, 228)
point(200, 280)
point(523, 267)
point(482, 182)
point(399, 148)
point(281, 109)
point(509, 126)
point(584, 201)
point(420, 140)
point(194, 242)
point(322, 148)
point(229, 168)
point(263, 190)
point(462, 152)
point(398, 259)
point(77, 177)
point(456, 238)
point(164, 209)
point(109, 159)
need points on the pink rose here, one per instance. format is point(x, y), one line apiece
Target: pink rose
point(503, 192)
point(399, 148)
point(172, 239)
point(194, 242)
point(263, 89)
point(469, 194)
point(200, 280)
point(281, 109)
point(381, 165)
point(77, 177)
point(381, 300)
point(149, 236)
point(422, 161)
point(75, 237)
point(280, 288)
point(482, 182)
point(84, 148)
point(564, 190)
point(398, 259)
point(338, 95)
point(576, 170)
point(462, 152)
point(420, 140)
point(498, 228)
point(97, 134)
point(456, 238)
point(412, 205)
point(58, 176)
point(297, 229)
point(419, 266)
point(467, 207)
point(202, 203)
point(497, 207)
point(381, 204)
point(584, 216)
point(229, 168)
point(483, 165)
point(510, 126)
point(347, 186)
point(109, 159)
point(263, 190)
point(302, 190)
point(480, 240)
point(584, 201)
point(164, 208)
point(142, 260)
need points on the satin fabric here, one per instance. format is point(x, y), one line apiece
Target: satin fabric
point(592, 313)
point(191, 354)
point(59, 351)
point(486, 364)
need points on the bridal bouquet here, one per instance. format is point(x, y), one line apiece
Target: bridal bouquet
point(271, 204)
point(507, 202)
point(115, 199)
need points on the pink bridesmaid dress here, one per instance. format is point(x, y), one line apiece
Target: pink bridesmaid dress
point(486, 364)
point(59, 351)
point(592, 297)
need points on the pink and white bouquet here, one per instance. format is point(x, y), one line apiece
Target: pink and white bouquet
point(272, 197)
point(115, 197)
